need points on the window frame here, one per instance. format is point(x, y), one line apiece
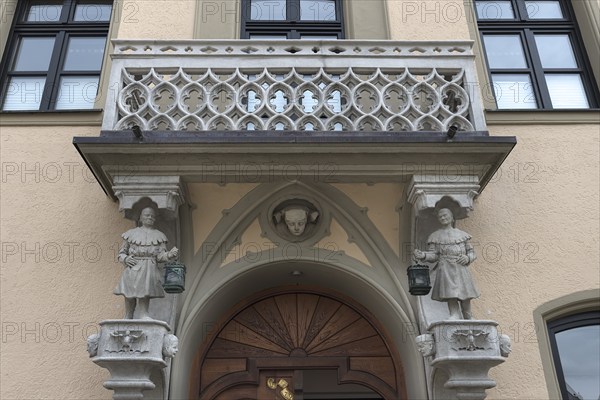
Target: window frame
point(292, 27)
point(526, 28)
point(562, 324)
point(62, 30)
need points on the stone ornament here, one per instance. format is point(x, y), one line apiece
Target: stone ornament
point(450, 250)
point(505, 345)
point(170, 346)
point(338, 101)
point(127, 341)
point(141, 251)
point(132, 351)
point(92, 344)
point(470, 340)
point(426, 344)
point(295, 220)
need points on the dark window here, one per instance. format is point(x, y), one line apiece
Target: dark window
point(535, 55)
point(575, 342)
point(292, 19)
point(54, 55)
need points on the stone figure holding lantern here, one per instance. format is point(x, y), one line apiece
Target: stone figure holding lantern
point(450, 250)
point(141, 251)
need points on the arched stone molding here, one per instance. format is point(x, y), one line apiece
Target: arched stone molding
point(213, 288)
point(354, 219)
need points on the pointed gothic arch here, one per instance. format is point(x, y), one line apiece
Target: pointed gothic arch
point(215, 287)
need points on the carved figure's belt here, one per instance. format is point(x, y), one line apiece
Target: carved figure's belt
point(144, 258)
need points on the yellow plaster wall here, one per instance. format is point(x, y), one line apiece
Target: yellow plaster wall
point(429, 20)
point(157, 19)
point(59, 234)
point(535, 228)
point(251, 242)
point(536, 231)
point(338, 241)
point(381, 200)
point(210, 200)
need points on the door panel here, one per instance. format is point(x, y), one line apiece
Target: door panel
point(270, 347)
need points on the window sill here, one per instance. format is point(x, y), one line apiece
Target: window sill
point(542, 117)
point(52, 118)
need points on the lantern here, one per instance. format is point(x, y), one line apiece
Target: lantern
point(174, 278)
point(419, 283)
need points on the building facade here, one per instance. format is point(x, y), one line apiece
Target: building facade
point(297, 153)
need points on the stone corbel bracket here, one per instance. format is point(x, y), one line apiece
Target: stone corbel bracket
point(168, 192)
point(466, 350)
point(425, 191)
point(132, 350)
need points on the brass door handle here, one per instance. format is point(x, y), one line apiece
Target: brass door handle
point(283, 384)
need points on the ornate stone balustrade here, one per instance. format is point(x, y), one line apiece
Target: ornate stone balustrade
point(293, 85)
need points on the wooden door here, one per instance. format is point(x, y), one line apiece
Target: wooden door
point(279, 336)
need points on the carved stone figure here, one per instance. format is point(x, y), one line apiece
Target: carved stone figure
point(170, 346)
point(92, 344)
point(296, 218)
point(450, 249)
point(142, 249)
point(505, 345)
point(426, 344)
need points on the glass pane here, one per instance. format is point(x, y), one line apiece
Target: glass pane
point(579, 352)
point(317, 10)
point(513, 91)
point(267, 10)
point(321, 37)
point(335, 101)
point(566, 91)
point(92, 12)
point(24, 93)
point(543, 10)
point(34, 54)
point(555, 51)
point(309, 101)
point(268, 37)
point(504, 51)
point(494, 10)
point(253, 102)
point(85, 53)
point(77, 93)
point(44, 12)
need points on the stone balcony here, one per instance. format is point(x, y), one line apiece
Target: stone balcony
point(294, 85)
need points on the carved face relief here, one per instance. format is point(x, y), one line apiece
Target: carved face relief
point(170, 346)
point(295, 219)
point(148, 216)
point(426, 345)
point(445, 216)
point(92, 344)
point(505, 345)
